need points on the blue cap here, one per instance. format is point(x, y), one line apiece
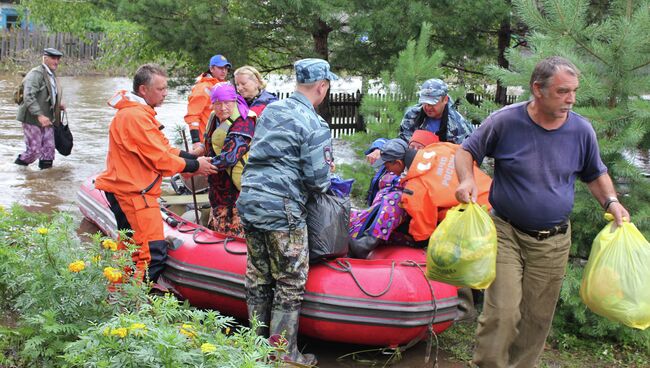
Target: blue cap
point(312, 70)
point(219, 60)
point(432, 91)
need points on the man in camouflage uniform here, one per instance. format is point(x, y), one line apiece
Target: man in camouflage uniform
point(290, 156)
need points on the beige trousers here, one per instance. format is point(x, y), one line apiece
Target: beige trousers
point(519, 305)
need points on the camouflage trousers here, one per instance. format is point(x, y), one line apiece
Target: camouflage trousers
point(277, 267)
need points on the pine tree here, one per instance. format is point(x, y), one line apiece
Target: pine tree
point(613, 53)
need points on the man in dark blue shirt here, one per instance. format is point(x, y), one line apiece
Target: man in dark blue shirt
point(539, 148)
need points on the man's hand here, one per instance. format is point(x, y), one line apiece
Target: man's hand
point(205, 166)
point(467, 191)
point(62, 105)
point(198, 149)
point(373, 156)
point(44, 121)
point(332, 167)
point(619, 212)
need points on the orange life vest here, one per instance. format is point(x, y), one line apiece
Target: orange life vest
point(433, 181)
point(199, 105)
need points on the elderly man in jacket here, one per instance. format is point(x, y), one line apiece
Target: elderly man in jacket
point(41, 107)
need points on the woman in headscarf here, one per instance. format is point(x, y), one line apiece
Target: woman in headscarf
point(230, 130)
point(251, 87)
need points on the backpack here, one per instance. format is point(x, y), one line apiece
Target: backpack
point(19, 93)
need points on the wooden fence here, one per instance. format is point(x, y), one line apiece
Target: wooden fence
point(343, 109)
point(15, 42)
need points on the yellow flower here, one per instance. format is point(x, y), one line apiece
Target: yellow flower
point(208, 348)
point(137, 326)
point(113, 274)
point(107, 331)
point(42, 230)
point(121, 332)
point(76, 266)
point(109, 244)
point(227, 330)
point(96, 259)
point(188, 330)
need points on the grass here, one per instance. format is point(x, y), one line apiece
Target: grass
point(566, 351)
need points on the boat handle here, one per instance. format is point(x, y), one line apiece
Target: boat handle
point(347, 267)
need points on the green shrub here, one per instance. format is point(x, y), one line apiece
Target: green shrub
point(166, 333)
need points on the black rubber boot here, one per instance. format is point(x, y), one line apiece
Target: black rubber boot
point(45, 164)
point(286, 324)
point(361, 247)
point(158, 252)
point(20, 162)
point(263, 314)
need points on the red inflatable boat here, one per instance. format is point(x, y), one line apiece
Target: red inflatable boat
point(385, 300)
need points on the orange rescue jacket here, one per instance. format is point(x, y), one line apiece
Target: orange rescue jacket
point(139, 154)
point(432, 179)
point(199, 105)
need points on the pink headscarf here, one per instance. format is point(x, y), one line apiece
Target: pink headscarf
point(226, 92)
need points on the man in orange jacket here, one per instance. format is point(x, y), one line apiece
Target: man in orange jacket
point(199, 106)
point(139, 155)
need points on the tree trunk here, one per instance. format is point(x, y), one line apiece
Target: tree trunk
point(504, 34)
point(321, 46)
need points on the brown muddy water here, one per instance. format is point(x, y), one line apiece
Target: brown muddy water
point(55, 189)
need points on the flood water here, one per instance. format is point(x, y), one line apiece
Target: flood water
point(89, 118)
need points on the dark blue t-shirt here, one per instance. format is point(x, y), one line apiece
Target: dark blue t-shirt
point(432, 125)
point(534, 168)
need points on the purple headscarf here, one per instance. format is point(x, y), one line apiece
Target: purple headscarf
point(226, 92)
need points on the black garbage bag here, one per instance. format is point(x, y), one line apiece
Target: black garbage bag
point(328, 218)
point(63, 140)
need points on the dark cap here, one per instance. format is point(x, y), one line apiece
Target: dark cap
point(52, 52)
point(392, 150)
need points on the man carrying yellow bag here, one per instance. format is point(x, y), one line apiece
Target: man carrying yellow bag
point(539, 148)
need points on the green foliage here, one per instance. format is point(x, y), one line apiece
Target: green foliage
point(57, 302)
point(612, 53)
point(166, 333)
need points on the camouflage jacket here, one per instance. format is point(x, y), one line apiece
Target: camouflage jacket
point(290, 156)
point(456, 129)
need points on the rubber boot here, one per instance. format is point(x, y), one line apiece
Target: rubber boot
point(263, 314)
point(286, 324)
point(45, 164)
point(361, 247)
point(20, 162)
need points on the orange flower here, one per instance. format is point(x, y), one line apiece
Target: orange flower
point(113, 274)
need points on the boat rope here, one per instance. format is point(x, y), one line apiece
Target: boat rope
point(430, 332)
point(345, 266)
point(237, 253)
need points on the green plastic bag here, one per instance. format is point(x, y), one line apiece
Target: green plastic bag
point(616, 280)
point(463, 249)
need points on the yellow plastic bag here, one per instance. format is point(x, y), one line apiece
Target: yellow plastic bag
point(616, 281)
point(463, 249)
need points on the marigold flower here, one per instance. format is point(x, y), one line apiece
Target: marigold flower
point(113, 274)
point(42, 230)
point(107, 331)
point(109, 244)
point(96, 259)
point(188, 330)
point(227, 330)
point(121, 332)
point(76, 266)
point(208, 348)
